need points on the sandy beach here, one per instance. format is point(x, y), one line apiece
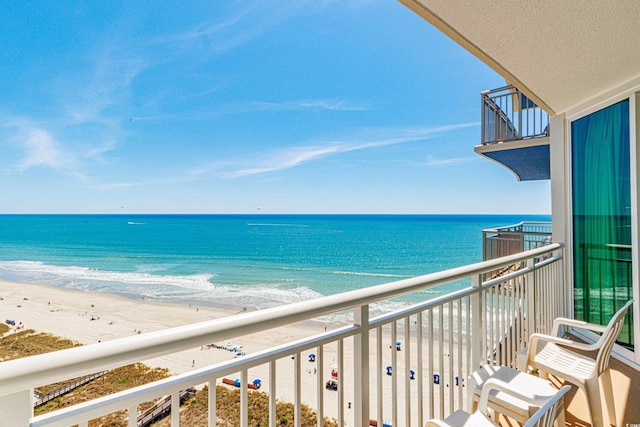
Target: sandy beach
point(89, 317)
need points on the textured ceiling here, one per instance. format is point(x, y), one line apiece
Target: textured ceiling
point(562, 53)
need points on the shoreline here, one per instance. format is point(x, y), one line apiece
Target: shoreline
point(88, 316)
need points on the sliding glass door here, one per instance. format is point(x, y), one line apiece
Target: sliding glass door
point(602, 216)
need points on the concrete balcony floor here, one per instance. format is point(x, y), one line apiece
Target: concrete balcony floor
point(626, 388)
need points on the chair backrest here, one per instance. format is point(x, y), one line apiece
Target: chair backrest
point(546, 415)
point(609, 337)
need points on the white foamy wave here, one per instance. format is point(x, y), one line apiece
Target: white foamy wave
point(342, 273)
point(197, 287)
point(362, 274)
point(89, 277)
point(260, 296)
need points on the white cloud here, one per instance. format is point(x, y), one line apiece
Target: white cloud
point(296, 156)
point(41, 150)
point(450, 161)
point(239, 26)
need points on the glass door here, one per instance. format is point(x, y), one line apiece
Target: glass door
point(601, 191)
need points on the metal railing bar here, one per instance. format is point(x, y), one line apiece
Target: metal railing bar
point(407, 367)
point(341, 376)
point(379, 375)
point(419, 368)
point(423, 306)
point(459, 351)
point(272, 391)
point(30, 372)
point(319, 385)
point(244, 398)
point(451, 356)
point(146, 392)
point(441, 360)
point(211, 405)
point(431, 413)
point(175, 403)
point(394, 373)
point(297, 390)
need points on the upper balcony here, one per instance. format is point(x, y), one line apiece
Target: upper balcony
point(512, 239)
point(515, 133)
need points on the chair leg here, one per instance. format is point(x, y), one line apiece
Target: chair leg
point(472, 403)
point(607, 390)
point(592, 390)
point(560, 417)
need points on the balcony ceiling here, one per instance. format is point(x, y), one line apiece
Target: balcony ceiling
point(562, 54)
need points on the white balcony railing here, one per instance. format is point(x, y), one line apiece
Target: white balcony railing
point(448, 336)
point(507, 240)
point(508, 115)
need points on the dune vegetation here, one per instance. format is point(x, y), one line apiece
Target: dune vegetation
point(193, 413)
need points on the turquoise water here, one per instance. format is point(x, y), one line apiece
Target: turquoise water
point(237, 260)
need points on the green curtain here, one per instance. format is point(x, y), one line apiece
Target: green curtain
point(602, 215)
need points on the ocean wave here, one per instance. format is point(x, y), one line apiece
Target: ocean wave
point(197, 287)
point(339, 272)
point(363, 274)
point(263, 296)
point(53, 274)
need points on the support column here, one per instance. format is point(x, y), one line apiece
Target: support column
point(17, 409)
point(361, 367)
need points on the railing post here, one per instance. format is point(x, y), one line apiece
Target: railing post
point(17, 408)
point(530, 290)
point(361, 366)
point(476, 329)
point(477, 322)
point(483, 130)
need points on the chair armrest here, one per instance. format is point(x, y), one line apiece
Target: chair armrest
point(563, 321)
point(496, 384)
point(534, 338)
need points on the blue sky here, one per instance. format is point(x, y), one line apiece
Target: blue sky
point(243, 107)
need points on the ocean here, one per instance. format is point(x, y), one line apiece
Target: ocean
point(233, 261)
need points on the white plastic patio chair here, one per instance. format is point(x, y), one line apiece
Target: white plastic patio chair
point(543, 417)
point(554, 355)
point(505, 403)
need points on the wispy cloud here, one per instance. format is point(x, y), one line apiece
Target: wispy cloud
point(330, 105)
point(313, 104)
point(296, 156)
point(41, 150)
point(238, 26)
point(449, 161)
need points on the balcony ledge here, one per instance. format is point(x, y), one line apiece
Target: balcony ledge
point(527, 159)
